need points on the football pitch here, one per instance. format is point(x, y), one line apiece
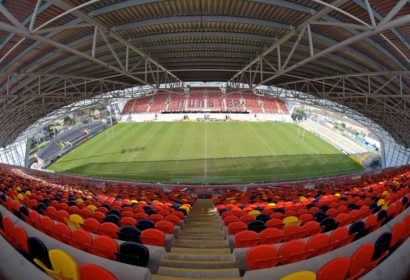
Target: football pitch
point(205, 152)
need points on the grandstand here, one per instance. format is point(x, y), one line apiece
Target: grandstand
point(205, 139)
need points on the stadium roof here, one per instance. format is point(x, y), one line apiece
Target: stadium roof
point(56, 52)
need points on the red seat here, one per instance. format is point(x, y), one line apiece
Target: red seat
point(153, 237)
point(246, 238)
point(236, 227)
point(140, 216)
point(165, 226)
point(397, 234)
point(179, 214)
point(34, 219)
point(109, 229)
point(371, 223)
point(312, 228)
point(293, 251)
point(226, 214)
point(361, 261)
point(340, 237)
point(407, 226)
point(156, 218)
point(274, 223)
point(52, 212)
point(336, 269)
point(247, 218)
point(60, 231)
point(262, 256)
point(91, 225)
point(80, 239)
point(93, 272)
point(63, 215)
point(20, 238)
point(293, 232)
point(104, 246)
point(271, 236)
point(8, 229)
point(230, 219)
point(343, 219)
point(173, 219)
point(127, 213)
point(128, 221)
point(319, 244)
point(99, 216)
point(46, 224)
point(306, 218)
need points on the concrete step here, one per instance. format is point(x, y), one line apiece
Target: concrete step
point(199, 257)
point(198, 263)
point(202, 241)
point(165, 277)
point(202, 230)
point(200, 245)
point(199, 272)
point(201, 250)
point(201, 237)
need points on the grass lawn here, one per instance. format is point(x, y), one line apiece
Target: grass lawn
point(205, 152)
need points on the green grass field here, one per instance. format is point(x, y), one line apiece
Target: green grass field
point(205, 152)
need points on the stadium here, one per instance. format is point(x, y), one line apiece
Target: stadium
point(211, 139)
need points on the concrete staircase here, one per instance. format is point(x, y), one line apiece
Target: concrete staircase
point(200, 249)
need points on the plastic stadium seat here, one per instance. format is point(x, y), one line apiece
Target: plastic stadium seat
point(141, 216)
point(256, 226)
point(129, 233)
point(127, 213)
point(291, 221)
point(91, 225)
point(153, 237)
point(104, 246)
point(254, 213)
point(361, 261)
point(230, 219)
point(52, 212)
point(407, 226)
point(343, 219)
point(328, 224)
point(247, 218)
point(63, 266)
point(63, 215)
point(226, 214)
point(381, 246)
point(34, 219)
point(173, 219)
point(397, 234)
point(312, 228)
point(340, 237)
point(336, 269)
point(246, 238)
point(236, 227)
point(371, 223)
point(128, 221)
point(275, 223)
point(133, 253)
point(165, 226)
point(319, 244)
point(271, 236)
point(109, 229)
point(8, 229)
point(145, 224)
point(99, 216)
point(37, 250)
point(293, 251)
point(357, 229)
point(80, 239)
point(179, 214)
point(263, 217)
point(305, 218)
point(75, 221)
point(94, 272)
point(112, 218)
point(60, 231)
point(20, 238)
point(156, 218)
point(293, 232)
point(300, 275)
point(262, 256)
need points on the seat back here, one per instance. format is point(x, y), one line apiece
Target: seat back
point(109, 229)
point(291, 221)
point(293, 251)
point(270, 236)
point(145, 224)
point(80, 239)
point(293, 232)
point(246, 238)
point(319, 244)
point(165, 226)
point(153, 237)
point(336, 269)
point(256, 226)
point(63, 263)
point(129, 233)
point(38, 250)
point(361, 261)
point(382, 245)
point(312, 228)
point(397, 234)
point(91, 225)
point(299, 275)
point(262, 256)
point(104, 246)
point(236, 227)
point(133, 253)
point(20, 237)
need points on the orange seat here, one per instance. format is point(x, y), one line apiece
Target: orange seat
point(165, 226)
point(397, 234)
point(80, 239)
point(293, 232)
point(109, 229)
point(319, 244)
point(236, 227)
point(293, 251)
point(336, 269)
point(20, 238)
point(246, 238)
point(340, 237)
point(274, 223)
point(262, 256)
point(104, 246)
point(91, 225)
point(271, 236)
point(153, 237)
point(230, 219)
point(128, 221)
point(312, 228)
point(93, 272)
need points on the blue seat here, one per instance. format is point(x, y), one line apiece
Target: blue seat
point(263, 217)
point(37, 250)
point(382, 245)
point(319, 216)
point(24, 210)
point(328, 224)
point(129, 233)
point(256, 226)
point(145, 224)
point(114, 212)
point(280, 210)
point(381, 215)
point(357, 228)
point(133, 253)
point(324, 208)
point(112, 218)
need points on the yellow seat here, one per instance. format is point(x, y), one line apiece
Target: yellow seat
point(382, 203)
point(79, 200)
point(92, 207)
point(63, 266)
point(271, 204)
point(302, 198)
point(134, 201)
point(75, 221)
point(254, 213)
point(28, 193)
point(337, 194)
point(20, 196)
point(291, 221)
point(300, 275)
point(186, 208)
